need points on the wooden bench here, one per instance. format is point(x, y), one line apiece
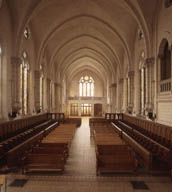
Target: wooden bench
point(14, 141)
point(158, 132)
point(112, 153)
point(116, 163)
point(43, 162)
point(15, 155)
point(60, 150)
point(158, 150)
point(11, 128)
point(144, 154)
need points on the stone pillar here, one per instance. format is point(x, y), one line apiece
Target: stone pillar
point(37, 91)
point(137, 91)
point(125, 95)
point(121, 96)
point(131, 91)
point(56, 96)
point(59, 102)
point(114, 97)
point(53, 97)
point(48, 94)
point(149, 83)
point(16, 84)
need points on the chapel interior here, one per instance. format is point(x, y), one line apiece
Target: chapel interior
point(86, 93)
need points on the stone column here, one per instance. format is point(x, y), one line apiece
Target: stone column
point(125, 95)
point(53, 97)
point(114, 97)
point(137, 91)
point(48, 94)
point(16, 84)
point(56, 96)
point(121, 96)
point(131, 91)
point(37, 91)
point(150, 83)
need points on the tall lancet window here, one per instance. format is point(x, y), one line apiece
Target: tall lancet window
point(24, 71)
point(86, 87)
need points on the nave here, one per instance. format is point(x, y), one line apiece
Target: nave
point(80, 173)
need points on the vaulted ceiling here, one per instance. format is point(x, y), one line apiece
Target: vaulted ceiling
point(84, 34)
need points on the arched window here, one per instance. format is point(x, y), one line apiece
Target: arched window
point(86, 87)
point(24, 71)
point(165, 66)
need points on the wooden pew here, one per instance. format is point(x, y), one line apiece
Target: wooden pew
point(158, 132)
point(43, 162)
point(112, 153)
point(16, 140)
point(144, 154)
point(72, 120)
point(110, 163)
point(159, 151)
point(11, 128)
point(15, 155)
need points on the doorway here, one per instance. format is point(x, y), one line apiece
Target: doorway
point(98, 110)
point(86, 109)
point(74, 109)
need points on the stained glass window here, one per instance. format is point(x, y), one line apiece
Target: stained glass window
point(86, 87)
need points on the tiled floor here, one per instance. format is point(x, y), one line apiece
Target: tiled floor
point(80, 174)
point(82, 160)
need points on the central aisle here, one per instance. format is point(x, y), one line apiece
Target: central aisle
point(82, 159)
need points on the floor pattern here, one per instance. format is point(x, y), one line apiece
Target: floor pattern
point(80, 174)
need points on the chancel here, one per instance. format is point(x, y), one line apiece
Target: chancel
point(85, 95)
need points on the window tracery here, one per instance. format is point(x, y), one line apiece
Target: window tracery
point(86, 87)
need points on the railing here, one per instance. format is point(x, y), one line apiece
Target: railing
point(165, 85)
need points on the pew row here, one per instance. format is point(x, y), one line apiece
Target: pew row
point(158, 132)
point(43, 162)
point(112, 154)
point(15, 155)
point(153, 156)
point(56, 144)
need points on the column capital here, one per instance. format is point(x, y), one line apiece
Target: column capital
point(150, 61)
point(16, 61)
